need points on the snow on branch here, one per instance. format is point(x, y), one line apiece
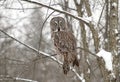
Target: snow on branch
point(27, 80)
point(61, 11)
point(7, 78)
point(43, 53)
point(114, 5)
point(107, 56)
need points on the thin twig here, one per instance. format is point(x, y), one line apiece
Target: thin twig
point(21, 5)
point(87, 51)
point(101, 14)
point(38, 58)
point(63, 6)
point(12, 8)
point(40, 38)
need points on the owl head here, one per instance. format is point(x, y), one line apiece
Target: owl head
point(58, 24)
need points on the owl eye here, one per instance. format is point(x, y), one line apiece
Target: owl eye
point(60, 22)
point(56, 23)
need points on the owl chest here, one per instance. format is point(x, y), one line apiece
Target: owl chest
point(60, 40)
point(63, 42)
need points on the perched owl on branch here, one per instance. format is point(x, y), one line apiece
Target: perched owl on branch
point(64, 42)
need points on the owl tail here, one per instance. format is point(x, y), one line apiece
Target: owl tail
point(66, 67)
point(76, 62)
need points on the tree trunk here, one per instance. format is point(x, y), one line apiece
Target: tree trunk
point(84, 55)
point(113, 27)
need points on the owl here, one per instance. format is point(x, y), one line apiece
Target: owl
point(64, 42)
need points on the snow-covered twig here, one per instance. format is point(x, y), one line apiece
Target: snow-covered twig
point(43, 53)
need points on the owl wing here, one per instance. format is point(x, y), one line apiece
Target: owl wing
point(65, 44)
point(64, 41)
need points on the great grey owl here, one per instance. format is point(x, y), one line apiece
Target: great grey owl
point(64, 42)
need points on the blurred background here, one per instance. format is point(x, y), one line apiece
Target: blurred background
point(29, 23)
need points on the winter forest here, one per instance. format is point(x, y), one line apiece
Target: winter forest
point(27, 52)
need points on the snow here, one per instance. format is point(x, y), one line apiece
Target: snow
point(78, 1)
point(78, 56)
point(96, 14)
point(114, 5)
point(113, 75)
point(89, 19)
point(116, 31)
point(106, 40)
point(107, 56)
point(88, 71)
point(114, 15)
point(22, 79)
point(82, 75)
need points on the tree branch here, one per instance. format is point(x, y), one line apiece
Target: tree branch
point(87, 51)
point(63, 12)
point(43, 53)
point(7, 78)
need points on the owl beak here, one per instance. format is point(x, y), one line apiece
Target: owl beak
point(58, 25)
point(58, 28)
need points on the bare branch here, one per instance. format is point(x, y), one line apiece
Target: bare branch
point(43, 53)
point(7, 78)
point(40, 38)
point(87, 51)
point(63, 12)
point(12, 8)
